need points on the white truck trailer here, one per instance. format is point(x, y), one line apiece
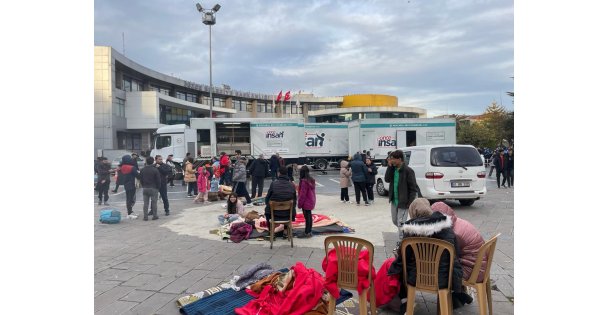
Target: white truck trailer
point(317, 144)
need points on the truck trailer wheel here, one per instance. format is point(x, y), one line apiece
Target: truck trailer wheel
point(321, 164)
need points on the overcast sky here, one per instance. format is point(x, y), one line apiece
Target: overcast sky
point(450, 56)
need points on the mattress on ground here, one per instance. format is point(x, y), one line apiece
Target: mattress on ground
point(334, 228)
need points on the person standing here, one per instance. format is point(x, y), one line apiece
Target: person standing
point(118, 177)
point(202, 184)
point(510, 165)
point(507, 170)
point(499, 165)
point(372, 170)
point(258, 171)
point(103, 180)
point(184, 168)
point(240, 180)
point(224, 168)
point(494, 154)
point(150, 182)
point(306, 199)
point(274, 166)
point(402, 189)
point(165, 172)
point(345, 181)
point(189, 176)
point(171, 177)
point(359, 171)
point(129, 173)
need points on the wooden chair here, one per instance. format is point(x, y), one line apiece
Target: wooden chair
point(483, 288)
point(281, 206)
point(427, 252)
point(347, 251)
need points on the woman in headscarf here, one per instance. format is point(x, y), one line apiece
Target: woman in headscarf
point(423, 222)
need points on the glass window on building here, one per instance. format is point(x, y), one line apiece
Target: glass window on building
point(126, 84)
point(191, 97)
point(136, 86)
point(120, 107)
point(261, 107)
point(180, 95)
point(248, 106)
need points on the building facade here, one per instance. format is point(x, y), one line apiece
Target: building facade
point(132, 101)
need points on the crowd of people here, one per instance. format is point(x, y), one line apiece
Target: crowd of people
point(220, 179)
point(502, 163)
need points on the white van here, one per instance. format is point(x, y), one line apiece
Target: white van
point(448, 172)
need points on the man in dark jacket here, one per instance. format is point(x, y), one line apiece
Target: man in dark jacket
point(499, 165)
point(258, 171)
point(129, 173)
point(359, 178)
point(402, 188)
point(103, 180)
point(165, 171)
point(150, 181)
point(281, 190)
point(274, 166)
point(372, 170)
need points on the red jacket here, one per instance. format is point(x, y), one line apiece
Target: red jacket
point(224, 163)
point(330, 266)
point(305, 294)
point(202, 182)
point(386, 286)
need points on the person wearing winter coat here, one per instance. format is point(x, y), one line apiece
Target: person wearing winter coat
point(499, 163)
point(202, 183)
point(103, 180)
point(402, 189)
point(359, 178)
point(306, 199)
point(190, 177)
point(166, 171)
point(129, 174)
point(274, 166)
point(345, 181)
point(150, 182)
point(224, 168)
point(424, 222)
point(372, 170)
point(281, 189)
point(240, 181)
point(468, 238)
point(258, 171)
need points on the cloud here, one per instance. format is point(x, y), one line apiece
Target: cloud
point(434, 54)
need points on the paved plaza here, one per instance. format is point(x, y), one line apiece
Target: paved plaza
point(144, 267)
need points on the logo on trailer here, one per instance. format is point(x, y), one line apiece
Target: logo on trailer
point(272, 134)
point(387, 141)
point(314, 140)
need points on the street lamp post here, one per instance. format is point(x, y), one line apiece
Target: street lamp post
point(209, 19)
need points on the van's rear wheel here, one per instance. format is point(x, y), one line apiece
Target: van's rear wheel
point(380, 188)
point(466, 202)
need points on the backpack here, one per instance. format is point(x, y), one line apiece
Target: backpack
point(109, 216)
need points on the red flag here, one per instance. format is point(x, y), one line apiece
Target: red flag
point(287, 96)
point(280, 96)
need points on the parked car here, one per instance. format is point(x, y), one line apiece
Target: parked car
point(443, 172)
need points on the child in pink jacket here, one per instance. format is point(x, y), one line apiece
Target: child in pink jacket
point(202, 183)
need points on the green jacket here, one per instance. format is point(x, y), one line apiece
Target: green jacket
point(407, 185)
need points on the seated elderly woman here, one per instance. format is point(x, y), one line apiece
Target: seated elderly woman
point(468, 238)
point(423, 222)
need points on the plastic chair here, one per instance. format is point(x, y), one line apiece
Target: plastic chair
point(427, 252)
point(483, 288)
point(347, 251)
point(281, 206)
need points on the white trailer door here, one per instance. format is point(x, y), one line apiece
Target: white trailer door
point(401, 138)
point(353, 139)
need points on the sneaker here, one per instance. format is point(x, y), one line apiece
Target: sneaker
point(190, 196)
point(154, 218)
point(349, 202)
point(166, 212)
point(224, 206)
point(358, 204)
point(149, 212)
point(343, 201)
point(367, 204)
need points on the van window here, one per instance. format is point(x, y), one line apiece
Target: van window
point(455, 157)
point(163, 142)
point(418, 157)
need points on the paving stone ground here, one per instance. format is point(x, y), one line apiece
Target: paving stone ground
point(144, 267)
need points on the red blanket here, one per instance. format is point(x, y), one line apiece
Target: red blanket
point(386, 286)
point(330, 266)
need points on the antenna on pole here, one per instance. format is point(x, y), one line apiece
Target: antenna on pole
point(123, 43)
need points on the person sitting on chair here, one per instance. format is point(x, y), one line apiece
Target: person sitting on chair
point(423, 222)
point(281, 189)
